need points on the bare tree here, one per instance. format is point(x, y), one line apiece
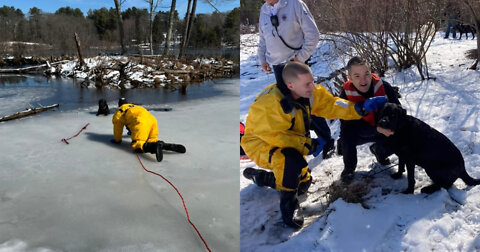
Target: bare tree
point(170, 28)
point(188, 26)
point(185, 32)
point(474, 8)
point(190, 23)
point(118, 8)
point(153, 4)
point(399, 30)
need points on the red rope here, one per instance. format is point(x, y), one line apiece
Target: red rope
point(66, 140)
point(183, 201)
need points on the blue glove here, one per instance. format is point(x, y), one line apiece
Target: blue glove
point(317, 146)
point(370, 105)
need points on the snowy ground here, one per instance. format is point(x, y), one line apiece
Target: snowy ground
point(92, 195)
point(443, 221)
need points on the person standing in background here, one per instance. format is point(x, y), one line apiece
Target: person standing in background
point(287, 32)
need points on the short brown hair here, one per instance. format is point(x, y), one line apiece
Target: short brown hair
point(292, 69)
point(357, 60)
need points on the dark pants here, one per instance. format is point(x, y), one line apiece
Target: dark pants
point(292, 173)
point(318, 124)
point(358, 133)
point(451, 25)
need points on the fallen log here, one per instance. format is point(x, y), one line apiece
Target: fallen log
point(28, 112)
point(31, 68)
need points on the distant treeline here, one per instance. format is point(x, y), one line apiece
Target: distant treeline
point(98, 30)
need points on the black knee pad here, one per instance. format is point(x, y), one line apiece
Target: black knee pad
point(294, 163)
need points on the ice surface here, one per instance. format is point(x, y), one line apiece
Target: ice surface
point(92, 195)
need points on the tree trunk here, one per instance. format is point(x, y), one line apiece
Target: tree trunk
point(151, 27)
point(192, 18)
point(28, 112)
point(151, 32)
point(30, 68)
point(474, 11)
point(477, 24)
point(170, 28)
point(120, 25)
point(80, 57)
point(185, 33)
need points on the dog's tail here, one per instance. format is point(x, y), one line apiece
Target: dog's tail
point(469, 180)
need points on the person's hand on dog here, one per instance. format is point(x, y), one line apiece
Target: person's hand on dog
point(317, 146)
point(370, 105)
point(374, 103)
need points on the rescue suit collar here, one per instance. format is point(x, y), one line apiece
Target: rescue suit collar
point(287, 102)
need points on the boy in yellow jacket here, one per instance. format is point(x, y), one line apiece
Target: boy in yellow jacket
point(277, 134)
point(143, 128)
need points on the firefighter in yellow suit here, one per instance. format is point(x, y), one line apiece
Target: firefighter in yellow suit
point(277, 136)
point(144, 130)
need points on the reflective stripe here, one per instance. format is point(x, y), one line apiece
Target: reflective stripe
point(377, 86)
point(342, 103)
point(352, 93)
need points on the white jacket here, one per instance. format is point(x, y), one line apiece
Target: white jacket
point(296, 26)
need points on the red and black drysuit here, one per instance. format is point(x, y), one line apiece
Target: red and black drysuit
point(358, 132)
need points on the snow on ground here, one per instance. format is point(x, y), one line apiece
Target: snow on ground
point(92, 195)
point(444, 221)
point(105, 70)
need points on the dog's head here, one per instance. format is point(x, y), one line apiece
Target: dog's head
point(390, 116)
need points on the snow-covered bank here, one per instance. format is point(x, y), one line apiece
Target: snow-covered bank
point(443, 221)
point(129, 72)
point(91, 195)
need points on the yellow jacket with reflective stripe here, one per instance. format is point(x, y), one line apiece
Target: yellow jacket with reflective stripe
point(129, 115)
point(268, 123)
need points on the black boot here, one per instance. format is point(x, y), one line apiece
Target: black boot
point(328, 148)
point(174, 147)
point(288, 205)
point(347, 175)
point(260, 177)
point(154, 148)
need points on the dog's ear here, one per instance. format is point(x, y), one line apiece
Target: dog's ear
point(380, 113)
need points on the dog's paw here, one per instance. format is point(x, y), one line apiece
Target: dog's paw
point(430, 189)
point(408, 191)
point(396, 175)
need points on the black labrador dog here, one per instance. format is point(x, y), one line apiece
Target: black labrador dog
point(103, 107)
point(465, 29)
point(416, 143)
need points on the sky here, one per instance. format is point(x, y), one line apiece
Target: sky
point(85, 5)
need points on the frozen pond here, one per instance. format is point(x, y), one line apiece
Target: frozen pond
point(92, 195)
point(20, 90)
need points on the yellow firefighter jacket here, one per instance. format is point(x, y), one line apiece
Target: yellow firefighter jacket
point(275, 120)
point(142, 124)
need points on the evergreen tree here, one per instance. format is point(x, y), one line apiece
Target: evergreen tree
point(231, 27)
